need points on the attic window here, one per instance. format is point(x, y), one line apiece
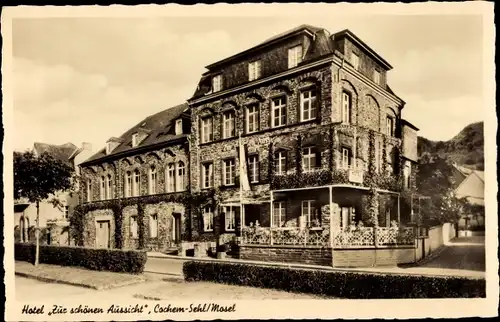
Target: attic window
point(108, 148)
point(294, 56)
point(135, 140)
point(178, 127)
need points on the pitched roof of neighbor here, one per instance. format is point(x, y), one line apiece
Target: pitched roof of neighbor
point(61, 152)
point(159, 129)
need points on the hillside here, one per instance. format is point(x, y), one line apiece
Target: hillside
point(466, 148)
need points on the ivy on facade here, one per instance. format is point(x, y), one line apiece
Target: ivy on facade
point(191, 201)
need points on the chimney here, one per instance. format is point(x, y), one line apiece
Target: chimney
point(86, 146)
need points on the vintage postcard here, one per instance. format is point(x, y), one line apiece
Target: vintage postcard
point(192, 162)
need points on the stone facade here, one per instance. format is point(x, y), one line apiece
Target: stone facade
point(161, 203)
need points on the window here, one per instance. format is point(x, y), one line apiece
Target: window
point(66, 212)
point(280, 162)
point(346, 158)
point(128, 184)
point(208, 219)
point(252, 118)
point(279, 214)
point(254, 70)
point(229, 218)
point(207, 175)
point(207, 130)
point(102, 190)
point(309, 158)
point(228, 124)
point(228, 167)
point(171, 177)
point(253, 164)
point(137, 183)
point(279, 112)
point(133, 227)
point(355, 60)
point(389, 126)
point(308, 105)
point(347, 215)
point(178, 127)
point(135, 140)
point(217, 83)
point(309, 211)
point(181, 176)
point(376, 76)
point(294, 56)
point(152, 180)
point(406, 173)
point(108, 148)
point(346, 107)
point(153, 226)
point(109, 190)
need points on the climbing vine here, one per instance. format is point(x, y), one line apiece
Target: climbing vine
point(271, 161)
point(298, 155)
point(141, 227)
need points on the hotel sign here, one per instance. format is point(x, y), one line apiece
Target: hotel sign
point(356, 175)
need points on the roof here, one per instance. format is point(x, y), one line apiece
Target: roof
point(322, 44)
point(405, 122)
point(296, 30)
point(463, 170)
point(480, 174)
point(61, 152)
point(159, 126)
point(360, 43)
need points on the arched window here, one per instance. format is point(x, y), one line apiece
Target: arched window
point(181, 176)
point(89, 190)
point(109, 194)
point(170, 178)
point(128, 184)
point(137, 182)
point(102, 190)
point(152, 180)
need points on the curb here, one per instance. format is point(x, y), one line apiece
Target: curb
point(93, 287)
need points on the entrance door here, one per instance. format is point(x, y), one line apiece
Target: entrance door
point(102, 234)
point(176, 229)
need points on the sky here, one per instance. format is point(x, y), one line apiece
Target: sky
point(88, 79)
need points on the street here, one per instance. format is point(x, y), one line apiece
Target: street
point(463, 253)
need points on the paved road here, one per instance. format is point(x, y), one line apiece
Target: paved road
point(464, 253)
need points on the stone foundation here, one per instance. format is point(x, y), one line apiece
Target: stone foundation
point(370, 257)
point(287, 254)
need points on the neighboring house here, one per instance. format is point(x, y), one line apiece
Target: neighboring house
point(53, 220)
point(146, 170)
point(469, 184)
point(319, 127)
point(282, 150)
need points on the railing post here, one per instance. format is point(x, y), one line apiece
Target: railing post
point(375, 232)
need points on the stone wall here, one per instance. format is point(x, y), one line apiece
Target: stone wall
point(118, 168)
point(373, 257)
point(305, 255)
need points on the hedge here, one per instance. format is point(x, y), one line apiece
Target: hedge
point(114, 260)
point(336, 284)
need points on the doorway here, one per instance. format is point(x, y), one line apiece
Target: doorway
point(176, 229)
point(102, 234)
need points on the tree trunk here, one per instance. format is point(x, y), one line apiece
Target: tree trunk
point(37, 233)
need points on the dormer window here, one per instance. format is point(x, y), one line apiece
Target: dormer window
point(254, 70)
point(178, 127)
point(294, 56)
point(135, 140)
point(376, 77)
point(217, 83)
point(108, 148)
point(355, 60)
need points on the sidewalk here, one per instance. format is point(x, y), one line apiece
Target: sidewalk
point(98, 280)
point(413, 270)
